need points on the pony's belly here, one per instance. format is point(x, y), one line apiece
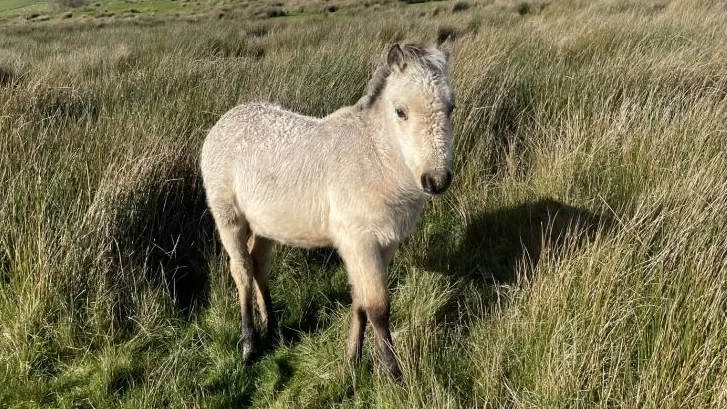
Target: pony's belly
point(283, 210)
point(289, 228)
point(297, 239)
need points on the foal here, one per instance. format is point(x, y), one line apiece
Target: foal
point(355, 180)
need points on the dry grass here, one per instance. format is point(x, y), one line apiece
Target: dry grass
point(578, 261)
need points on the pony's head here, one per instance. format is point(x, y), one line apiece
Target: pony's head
point(411, 90)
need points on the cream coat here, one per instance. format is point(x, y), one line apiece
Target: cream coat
point(354, 180)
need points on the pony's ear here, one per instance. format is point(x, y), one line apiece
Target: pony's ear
point(395, 58)
point(446, 45)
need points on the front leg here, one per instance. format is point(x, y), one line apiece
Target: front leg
point(354, 347)
point(388, 252)
point(366, 264)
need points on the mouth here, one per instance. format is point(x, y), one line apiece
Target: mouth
point(434, 192)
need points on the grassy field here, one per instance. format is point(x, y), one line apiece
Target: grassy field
point(111, 11)
point(579, 259)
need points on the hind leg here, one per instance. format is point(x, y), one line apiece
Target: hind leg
point(260, 249)
point(233, 230)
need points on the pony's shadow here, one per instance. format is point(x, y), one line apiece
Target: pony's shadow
point(504, 246)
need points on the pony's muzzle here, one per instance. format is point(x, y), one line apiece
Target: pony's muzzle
point(436, 182)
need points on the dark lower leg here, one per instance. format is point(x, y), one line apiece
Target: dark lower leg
point(260, 252)
point(268, 317)
point(367, 274)
point(379, 317)
point(243, 281)
point(248, 335)
point(354, 348)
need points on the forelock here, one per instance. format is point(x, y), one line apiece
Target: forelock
point(428, 58)
point(419, 57)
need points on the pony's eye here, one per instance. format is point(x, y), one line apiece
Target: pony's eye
point(400, 113)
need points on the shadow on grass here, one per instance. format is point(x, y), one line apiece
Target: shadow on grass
point(505, 245)
point(498, 246)
point(157, 229)
point(178, 252)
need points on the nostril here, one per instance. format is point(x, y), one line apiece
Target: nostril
point(427, 182)
point(445, 182)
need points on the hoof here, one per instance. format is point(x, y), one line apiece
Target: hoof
point(273, 335)
point(354, 353)
point(393, 371)
point(250, 352)
point(390, 366)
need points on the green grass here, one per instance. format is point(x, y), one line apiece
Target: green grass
point(14, 7)
point(579, 259)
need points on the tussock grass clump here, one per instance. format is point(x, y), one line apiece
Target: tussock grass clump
point(260, 30)
point(72, 3)
point(275, 12)
point(8, 76)
point(64, 103)
point(577, 261)
point(448, 33)
point(150, 218)
point(460, 6)
point(232, 46)
point(522, 8)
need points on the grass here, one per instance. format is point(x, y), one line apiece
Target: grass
point(577, 261)
point(13, 7)
point(20, 9)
